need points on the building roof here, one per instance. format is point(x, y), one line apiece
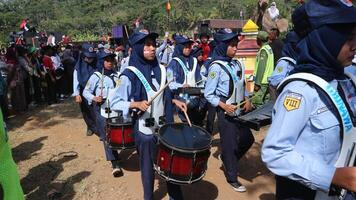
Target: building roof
point(225, 23)
point(250, 26)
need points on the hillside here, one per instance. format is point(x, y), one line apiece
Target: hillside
point(95, 17)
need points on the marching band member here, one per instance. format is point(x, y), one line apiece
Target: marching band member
point(303, 142)
point(95, 93)
point(225, 87)
point(184, 71)
point(84, 68)
point(139, 83)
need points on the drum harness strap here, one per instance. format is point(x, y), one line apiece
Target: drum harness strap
point(233, 77)
point(288, 59)
point(185, 68)
point(99, 75)
point(347, 130)
point(148, 88)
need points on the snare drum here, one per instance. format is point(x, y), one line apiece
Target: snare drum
point(183, 153)
point(120, 134)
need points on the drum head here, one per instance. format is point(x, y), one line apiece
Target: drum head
point(119, 121)
point(182, 136)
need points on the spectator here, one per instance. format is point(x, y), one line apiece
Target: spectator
point(15, 81)
point(27, 71)
point(273, 11)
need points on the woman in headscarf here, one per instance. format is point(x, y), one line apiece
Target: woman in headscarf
point(184, 72)
point(225, 89)
point(303, 142)
point(139, 83)
point(96, 92)
point(84, 68)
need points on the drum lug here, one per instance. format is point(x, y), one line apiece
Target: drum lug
point(107, 110)
point(162, 120)
point(149, 122)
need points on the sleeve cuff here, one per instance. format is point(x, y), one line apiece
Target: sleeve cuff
point(125, 108)
point(323, 176)
point(215, 102)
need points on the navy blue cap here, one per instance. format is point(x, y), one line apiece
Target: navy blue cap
point(140, 35)
point(107, 53)
point(182, 39)
point(224, 35)
point(88, 50)
point(316, 13)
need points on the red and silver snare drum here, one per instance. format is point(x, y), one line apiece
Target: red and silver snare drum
point(183, 153)
point(120, 134)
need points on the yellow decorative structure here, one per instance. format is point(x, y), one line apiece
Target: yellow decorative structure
point(247, 49)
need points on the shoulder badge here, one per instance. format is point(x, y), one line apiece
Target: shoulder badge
point(118, 82)
point(292, 101)
point(279, 69)
point(212, 75)
point(169, 74)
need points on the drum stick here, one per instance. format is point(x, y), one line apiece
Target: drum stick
point(127, 34)
point(187, 117)
point(159, 92)
point(238, 105)
point(199, 82)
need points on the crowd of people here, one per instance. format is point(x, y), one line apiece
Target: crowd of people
point(32, 76)
point(303, 144)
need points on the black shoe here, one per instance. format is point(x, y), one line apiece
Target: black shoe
point(89, 132)
point(116, 169)
point(238, 187)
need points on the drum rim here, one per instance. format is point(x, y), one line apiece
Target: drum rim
point(167, 178)
point(109, 122)
point(184, 150)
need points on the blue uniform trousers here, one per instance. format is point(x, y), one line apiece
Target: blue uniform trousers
point(287, 189)
point(101, 127)
point(210, 118)
point(147, 149)
point(88, 113)
point(235, 141)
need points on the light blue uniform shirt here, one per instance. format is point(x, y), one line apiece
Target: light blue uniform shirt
point(93, 87)
point(120, 100)
point(218, 82)
point(282, 70)
point(303, 142)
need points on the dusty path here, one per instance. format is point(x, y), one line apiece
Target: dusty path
point(55, 157)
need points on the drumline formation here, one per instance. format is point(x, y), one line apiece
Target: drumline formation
point(178, 152)
point(136, 108)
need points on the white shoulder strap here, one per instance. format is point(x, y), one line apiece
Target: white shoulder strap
point(231, 72)
point(195, 64)
point(142, 78)
point(185, 68)
point(163, 75)
point(288, 59)
point(219, 62)
point(98, 74)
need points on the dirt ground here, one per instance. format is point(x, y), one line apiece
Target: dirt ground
point(56, 159)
